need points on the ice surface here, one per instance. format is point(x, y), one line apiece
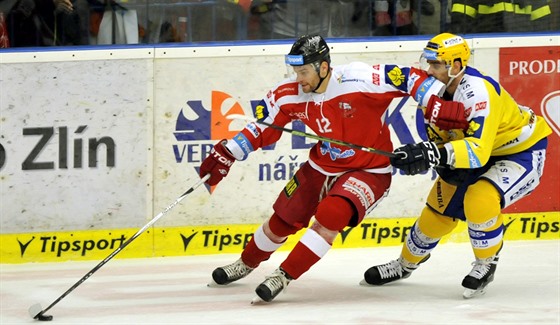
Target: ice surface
point(173, 290)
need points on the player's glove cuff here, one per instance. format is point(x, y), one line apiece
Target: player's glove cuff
point(417, 158)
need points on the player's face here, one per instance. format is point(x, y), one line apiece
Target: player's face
point(307, 77)
point(438, 70)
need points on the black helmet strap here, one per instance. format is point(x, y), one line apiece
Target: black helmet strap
point(321, 79)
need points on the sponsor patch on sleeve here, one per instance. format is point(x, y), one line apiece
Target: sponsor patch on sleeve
point(423, 89)
point(395, 76)
point(241, 140)
point(261, 111)
point(291, 187)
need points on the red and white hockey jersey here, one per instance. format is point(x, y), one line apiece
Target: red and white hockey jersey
point(352, 109)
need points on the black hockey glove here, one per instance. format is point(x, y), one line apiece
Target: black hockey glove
point(416, 158)
point(457, 176)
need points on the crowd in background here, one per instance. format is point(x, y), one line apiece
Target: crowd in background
point(26, 23)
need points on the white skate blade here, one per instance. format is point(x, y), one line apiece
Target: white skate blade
point(364, 283)
point(213, 284)
point(470, 293)
point(257, 301)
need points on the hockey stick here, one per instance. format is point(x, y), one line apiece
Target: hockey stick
point(38, 313)
point(311, 136)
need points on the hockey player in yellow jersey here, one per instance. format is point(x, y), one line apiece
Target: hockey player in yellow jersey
point(488, 151)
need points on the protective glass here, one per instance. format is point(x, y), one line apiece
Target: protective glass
point(292, 61)
point(296, 68)
point(429, 59)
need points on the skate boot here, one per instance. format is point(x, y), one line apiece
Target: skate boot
point(231, 272)
point(272, 286)
point(389, 272)
point(481, 275)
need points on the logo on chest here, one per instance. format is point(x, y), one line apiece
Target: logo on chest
point(336, 153)
point(347, 109)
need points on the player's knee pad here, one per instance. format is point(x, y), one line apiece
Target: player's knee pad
point(280, 228)
point(435, 225)
point(482, 202)
point(485, 222)
point(334, 213)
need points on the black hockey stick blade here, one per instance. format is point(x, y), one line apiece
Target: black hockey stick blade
point(311, 136)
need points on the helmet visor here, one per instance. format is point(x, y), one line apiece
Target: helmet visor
point(296, 67)
point(429, 58)
point(292, 60)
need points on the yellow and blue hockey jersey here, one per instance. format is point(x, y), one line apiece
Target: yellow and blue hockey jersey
point(498, 126)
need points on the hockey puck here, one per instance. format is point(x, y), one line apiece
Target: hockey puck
point(44, 318)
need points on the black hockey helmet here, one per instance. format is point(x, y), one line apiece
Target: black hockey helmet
point(308, 49)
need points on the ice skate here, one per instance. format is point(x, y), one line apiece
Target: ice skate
point(395, 270)
point(481, 275)
point(230, 273)
point(272, 286)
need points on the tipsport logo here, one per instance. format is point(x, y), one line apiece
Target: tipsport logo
point(63, 246)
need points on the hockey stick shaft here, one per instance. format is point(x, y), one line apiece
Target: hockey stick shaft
point(312, 136)
point(120, 248)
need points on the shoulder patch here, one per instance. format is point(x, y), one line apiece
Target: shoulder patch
point(286, 90)
point(396, 76)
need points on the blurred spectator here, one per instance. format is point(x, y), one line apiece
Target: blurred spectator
point(48, 22)
point(342, 23)
point(76, 22)
point(493, 16)
point(225, 21)
point(393, 17)
point(244, 4)
point(5, 7)
point(555, 16)
point(156, 24)
point(279, 19)
point(194, 21)
point(426, 7)
point(538, 12)
point(113, 23)
point(429, 16)
point(4, 39)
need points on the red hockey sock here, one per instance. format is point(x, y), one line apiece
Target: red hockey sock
point(252, 256)
point(260, 247)
point(299, 261)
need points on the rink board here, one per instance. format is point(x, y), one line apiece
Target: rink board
point(218, 239)
point(86, 159)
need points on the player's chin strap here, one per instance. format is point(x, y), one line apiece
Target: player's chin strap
point(321, 79)
point(452, 77)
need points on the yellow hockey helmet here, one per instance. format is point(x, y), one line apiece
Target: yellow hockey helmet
point(447, 48)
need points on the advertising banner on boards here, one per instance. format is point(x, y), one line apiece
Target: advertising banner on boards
point(190, 117)
point(534, 81)
point(74, 145)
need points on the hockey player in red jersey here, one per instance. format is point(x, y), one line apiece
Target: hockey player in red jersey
point(489, 152)
point(338, 185)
